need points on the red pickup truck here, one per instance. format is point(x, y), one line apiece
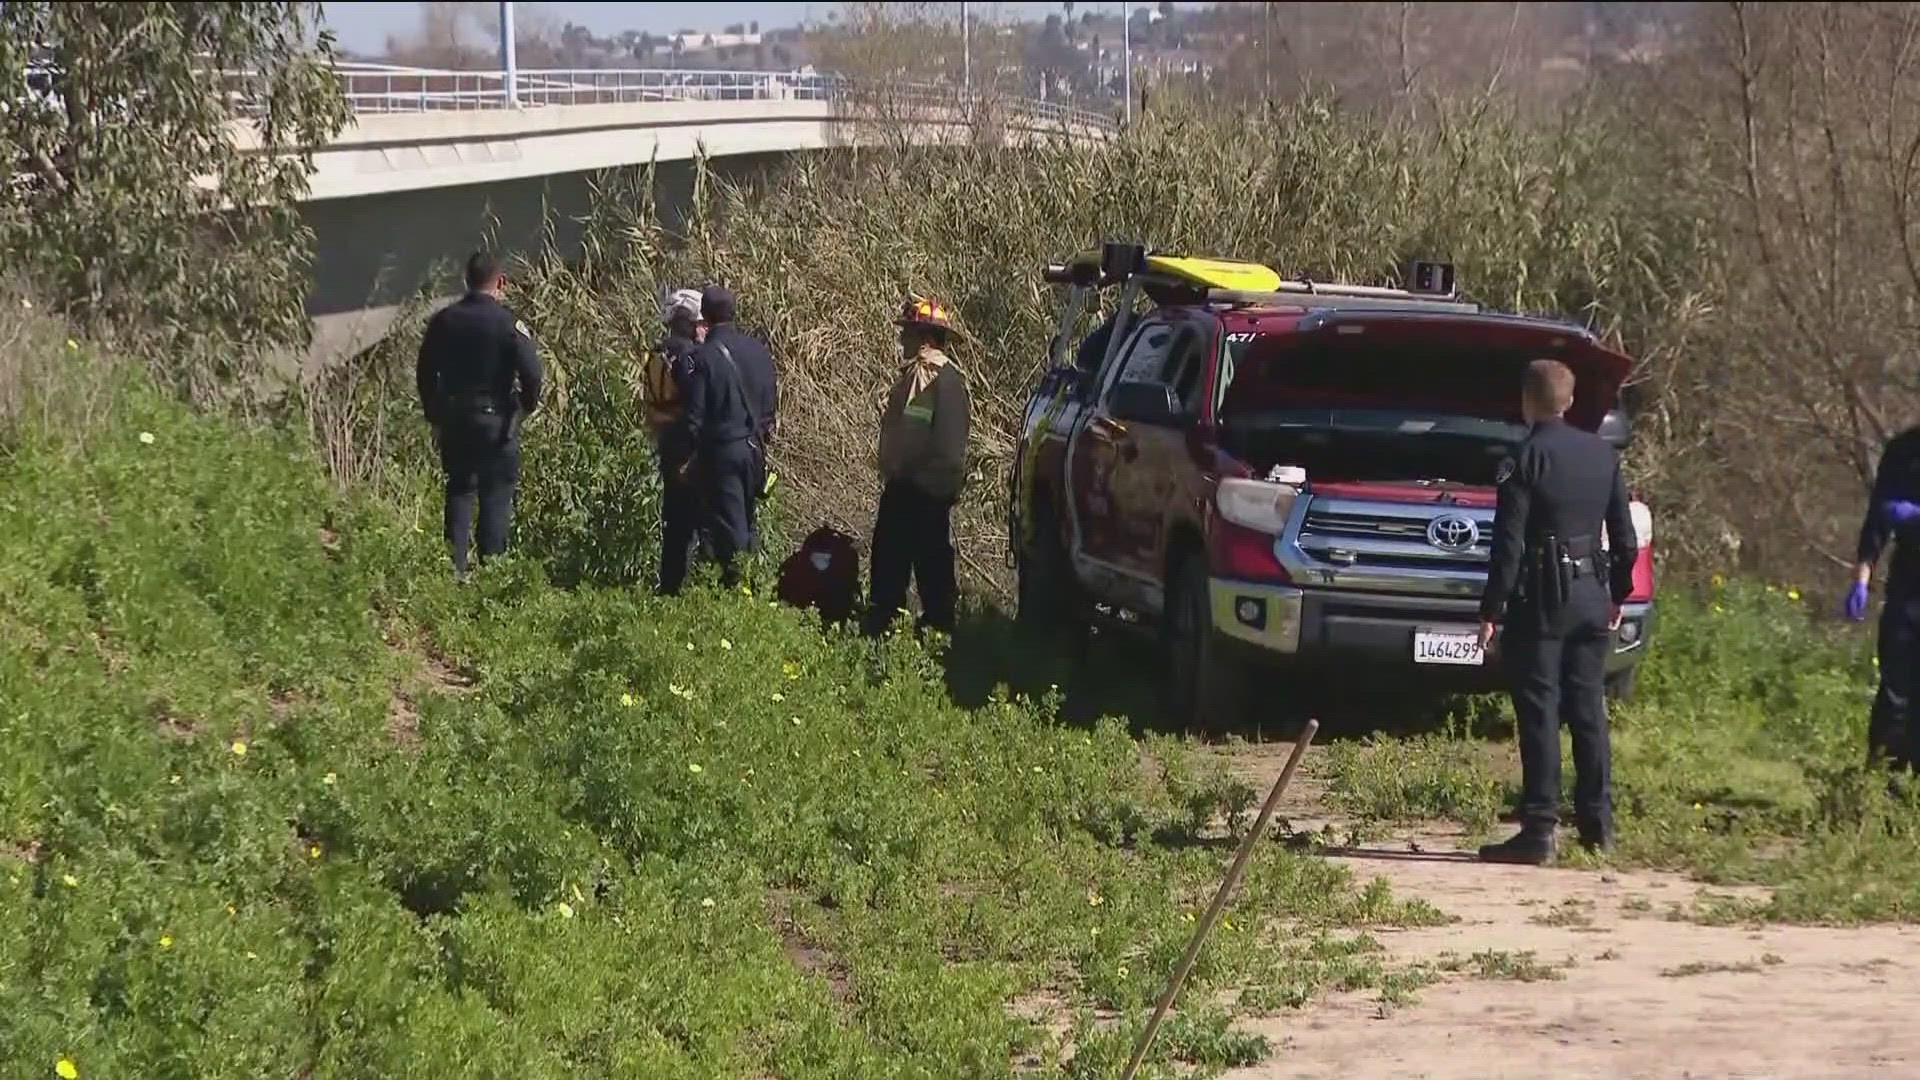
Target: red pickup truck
point(1287, 471)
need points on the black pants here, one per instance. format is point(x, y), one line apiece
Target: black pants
point(1557, 670)
point(912, 540)
point(481, 459)
point(679, 520)
point(1893, 733)
point(723, 476)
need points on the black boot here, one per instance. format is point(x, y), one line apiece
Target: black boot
point(1531, 846)
point(1596, 837)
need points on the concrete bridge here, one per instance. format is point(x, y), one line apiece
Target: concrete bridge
point(438, 161)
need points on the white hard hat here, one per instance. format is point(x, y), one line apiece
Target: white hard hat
point(682, 302)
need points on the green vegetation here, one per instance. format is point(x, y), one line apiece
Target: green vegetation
point(1740, 761)
point(278, 795)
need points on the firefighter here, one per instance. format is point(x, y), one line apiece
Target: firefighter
point(667, 370)
point(1893, 735)
point(1559, 596)
point(478, 375)
point(923, 453)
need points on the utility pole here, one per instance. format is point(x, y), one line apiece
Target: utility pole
point(509, 78)
point(1126, 56)
point(966, 48)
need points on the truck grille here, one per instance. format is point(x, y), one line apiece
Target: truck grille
point(1353, 534)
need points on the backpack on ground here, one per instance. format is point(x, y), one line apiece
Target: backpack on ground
point(824, 574)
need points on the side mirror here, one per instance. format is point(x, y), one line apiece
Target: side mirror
point(1145, 403)
point(1617, 430)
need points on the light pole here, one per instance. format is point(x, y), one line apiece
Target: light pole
point(1126, 57)
point(509, 78)
point(966, 49)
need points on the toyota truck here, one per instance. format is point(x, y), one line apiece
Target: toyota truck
point(1273, 472)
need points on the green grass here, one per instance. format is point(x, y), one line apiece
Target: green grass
point(278, 799)
point(1741, 762)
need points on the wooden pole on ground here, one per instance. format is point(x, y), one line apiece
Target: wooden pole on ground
point(1220, 899)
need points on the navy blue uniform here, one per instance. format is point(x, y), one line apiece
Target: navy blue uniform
point(1894, 732)
point(478, 376)
point(726, 415)
point(1552, 591)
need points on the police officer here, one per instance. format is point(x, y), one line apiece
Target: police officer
point(668, 367)
point(1893, 733)
point(1559, 596)
point(725, 420)
point(478, 376)
point(923, 457)
point(727, 342)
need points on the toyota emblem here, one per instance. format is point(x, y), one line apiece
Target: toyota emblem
point(1453, 532)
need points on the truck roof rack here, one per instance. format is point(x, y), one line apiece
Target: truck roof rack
point(1351, 297)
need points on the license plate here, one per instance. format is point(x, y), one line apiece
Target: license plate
point(1457, 647)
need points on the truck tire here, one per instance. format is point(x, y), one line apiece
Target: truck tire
point(1620, 684)
point(1203, 685)
point(1045, 594)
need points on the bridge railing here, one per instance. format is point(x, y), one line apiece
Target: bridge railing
point(375, 88)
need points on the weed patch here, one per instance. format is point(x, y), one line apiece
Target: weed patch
point(274, 806)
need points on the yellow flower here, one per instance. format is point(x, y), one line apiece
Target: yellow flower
point(69, 881)
point(694, 767)
point(565, 909)
point(314, 851)
point(1123, 971)
point(1718, 610)
point(1719, 581)
point(66, 1069)
point(796, 721)
point(1094, 899)
point(231, 910)
point(1037, 768)
point(330, 779)
point(791, 669)
point(174, 779)
point(679, 691)
point(166, 941)
point(146, 438)
point(239, 748)
point(1793, 594)
point(746, 591)
point(72, 344)
point(627, 700)
point(779, 697)
point(727, 645)
point(706, 901)
point(689, 646)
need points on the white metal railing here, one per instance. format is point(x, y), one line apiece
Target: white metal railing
point(380, 88)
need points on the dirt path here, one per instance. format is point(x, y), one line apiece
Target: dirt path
point(1639, 995)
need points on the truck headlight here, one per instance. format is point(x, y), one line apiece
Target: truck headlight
point(1256, 504)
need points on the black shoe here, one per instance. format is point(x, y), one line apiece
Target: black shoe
point(1528, 847)
point(1596, 838)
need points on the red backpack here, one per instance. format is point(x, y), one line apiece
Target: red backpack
point(823, 574)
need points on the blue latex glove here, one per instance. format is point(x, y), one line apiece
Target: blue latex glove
point(1902, 512)
point(1857, 601)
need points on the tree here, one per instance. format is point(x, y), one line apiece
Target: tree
point(139, 203)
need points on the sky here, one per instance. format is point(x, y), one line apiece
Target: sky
point(364, 27)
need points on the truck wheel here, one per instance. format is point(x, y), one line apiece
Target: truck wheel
point(1202, 684)
point(1620, 684)
point(1045, 592)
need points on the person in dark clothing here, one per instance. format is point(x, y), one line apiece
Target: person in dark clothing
point(667, 373)
point(1559, 595)
point(729, 344)
point(478, 376)
point(730, 391)
point(1893, 513)
point(923, 458)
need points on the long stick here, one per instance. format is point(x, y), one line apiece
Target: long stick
point(1220, 899)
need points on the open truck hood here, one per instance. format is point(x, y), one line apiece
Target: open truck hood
point(1467, 364)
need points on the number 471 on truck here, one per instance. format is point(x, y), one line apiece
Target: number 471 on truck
point(1274, 472)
